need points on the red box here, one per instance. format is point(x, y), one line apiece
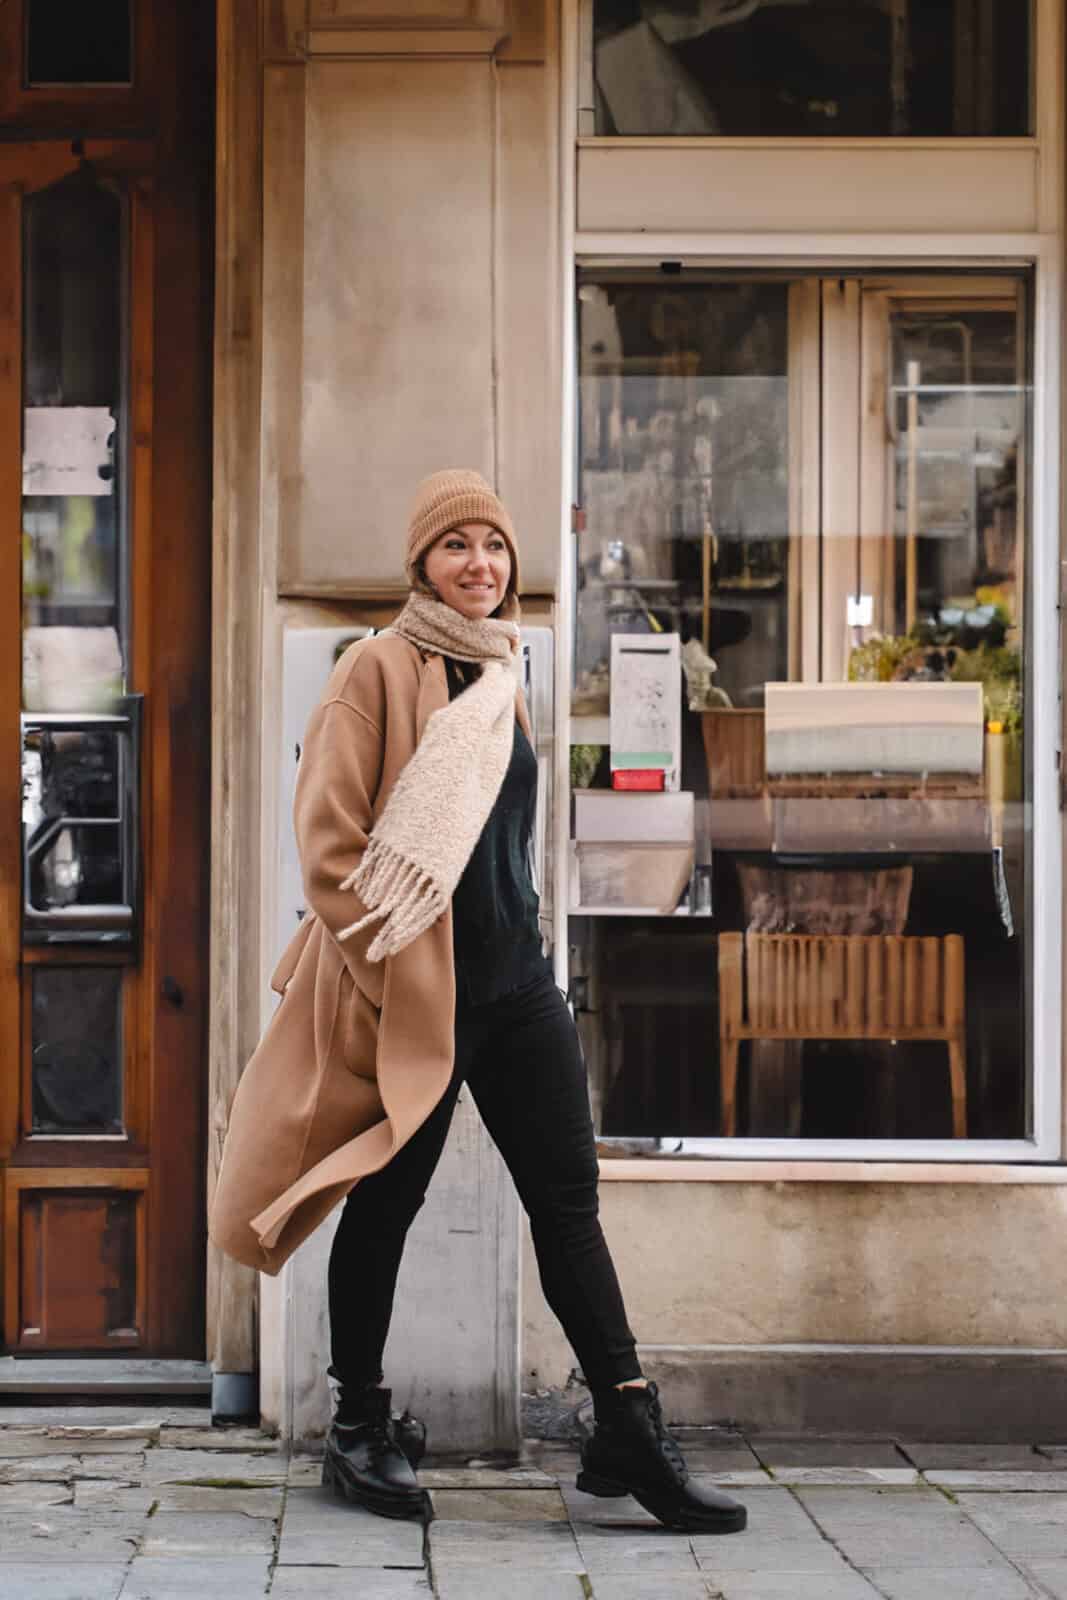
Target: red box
point(639, 778)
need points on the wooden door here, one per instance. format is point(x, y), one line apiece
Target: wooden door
point(105, 362)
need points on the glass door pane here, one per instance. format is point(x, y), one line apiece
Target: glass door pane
point(803, 567)
point(73, 399)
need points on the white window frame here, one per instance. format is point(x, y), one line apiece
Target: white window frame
point(1041, 252)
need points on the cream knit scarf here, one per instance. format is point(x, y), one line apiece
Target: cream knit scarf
point(441, 801)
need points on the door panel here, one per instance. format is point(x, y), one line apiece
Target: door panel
point(104, 691)
point(77, 1273)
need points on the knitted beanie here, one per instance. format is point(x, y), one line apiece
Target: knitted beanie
point(443, 501)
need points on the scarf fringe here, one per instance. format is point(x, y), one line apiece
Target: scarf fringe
point(403, 895)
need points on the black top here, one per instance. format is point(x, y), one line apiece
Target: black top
point(495, 932)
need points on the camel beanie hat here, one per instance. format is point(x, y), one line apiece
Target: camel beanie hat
point(443, 501)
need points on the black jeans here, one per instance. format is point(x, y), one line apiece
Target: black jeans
point(521, 1059)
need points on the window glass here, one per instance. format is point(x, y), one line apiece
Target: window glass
point(802, 68)
point(71, 42)
point(800, 852)
point(77, 1050)
point(72, 814)
point(73, 395)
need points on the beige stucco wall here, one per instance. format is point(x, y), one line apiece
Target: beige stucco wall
point(853, 1263)
point(411, 315)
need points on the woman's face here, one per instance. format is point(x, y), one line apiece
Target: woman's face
point(469, 567)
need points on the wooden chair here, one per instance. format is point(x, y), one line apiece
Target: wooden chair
point(840, 986)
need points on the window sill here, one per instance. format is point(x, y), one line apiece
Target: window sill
point(640, 1170)
point(816, 142)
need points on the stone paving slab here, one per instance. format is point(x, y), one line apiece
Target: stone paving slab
point(319, 1530)
point(499, 1505)
point(249, 1440)
point(843, 1585)
point(63, 1533)
point(503, 1545)
point(721, 1458)
point(792, 1452)
point(213, 1578)
point(60, 1416)
point(751, 1478)
point(32, 1496)
point(1021, 1525)
point(867, 1477)
point(1001, 1582)
point(105, 1494)
point(898, 1527)
point(126, 1468)
point(483, 1478)
point(471, 1583)
point(999, 1482)
point(978, 1457)
point(1052, 1575)
point(331, 1583)
point(38, 1469)
point(211, 1466)
point(239, 1502)
point(205, 1533)
point(21, 1580)
point(145, 1431)
point(634, 1548)
point(649, 1586)
point(589, 1508)
point(18, 1443)
point(780, 1537)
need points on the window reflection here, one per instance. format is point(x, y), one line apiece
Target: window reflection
point(71, 813)
point(803, 68)
point(848, 956)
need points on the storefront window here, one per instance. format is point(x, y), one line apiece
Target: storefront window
point(800, 851)
point(802, 68)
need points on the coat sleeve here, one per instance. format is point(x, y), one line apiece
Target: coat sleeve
point(337, 782)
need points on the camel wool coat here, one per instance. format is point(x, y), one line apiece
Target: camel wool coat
point(357, 1054)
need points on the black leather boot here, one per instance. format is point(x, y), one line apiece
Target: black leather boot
point(371, 1456)
point(631, 1452)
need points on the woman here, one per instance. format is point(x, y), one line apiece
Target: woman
point(422, 970)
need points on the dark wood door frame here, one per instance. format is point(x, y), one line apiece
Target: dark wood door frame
point(169, 174)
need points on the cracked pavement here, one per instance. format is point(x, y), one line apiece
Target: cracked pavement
point(152, 1503)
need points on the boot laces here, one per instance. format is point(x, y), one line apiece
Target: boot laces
point(668, 1445)
point(382, 1437)
point(377, 1423)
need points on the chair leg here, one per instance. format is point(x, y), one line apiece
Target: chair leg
point(957, 1067)
point(729, 1050)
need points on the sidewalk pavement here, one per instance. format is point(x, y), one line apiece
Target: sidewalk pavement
point(135, 1504)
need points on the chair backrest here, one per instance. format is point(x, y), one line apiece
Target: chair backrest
point(858, 985)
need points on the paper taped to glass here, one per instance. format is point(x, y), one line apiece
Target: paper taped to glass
point(64, 449)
